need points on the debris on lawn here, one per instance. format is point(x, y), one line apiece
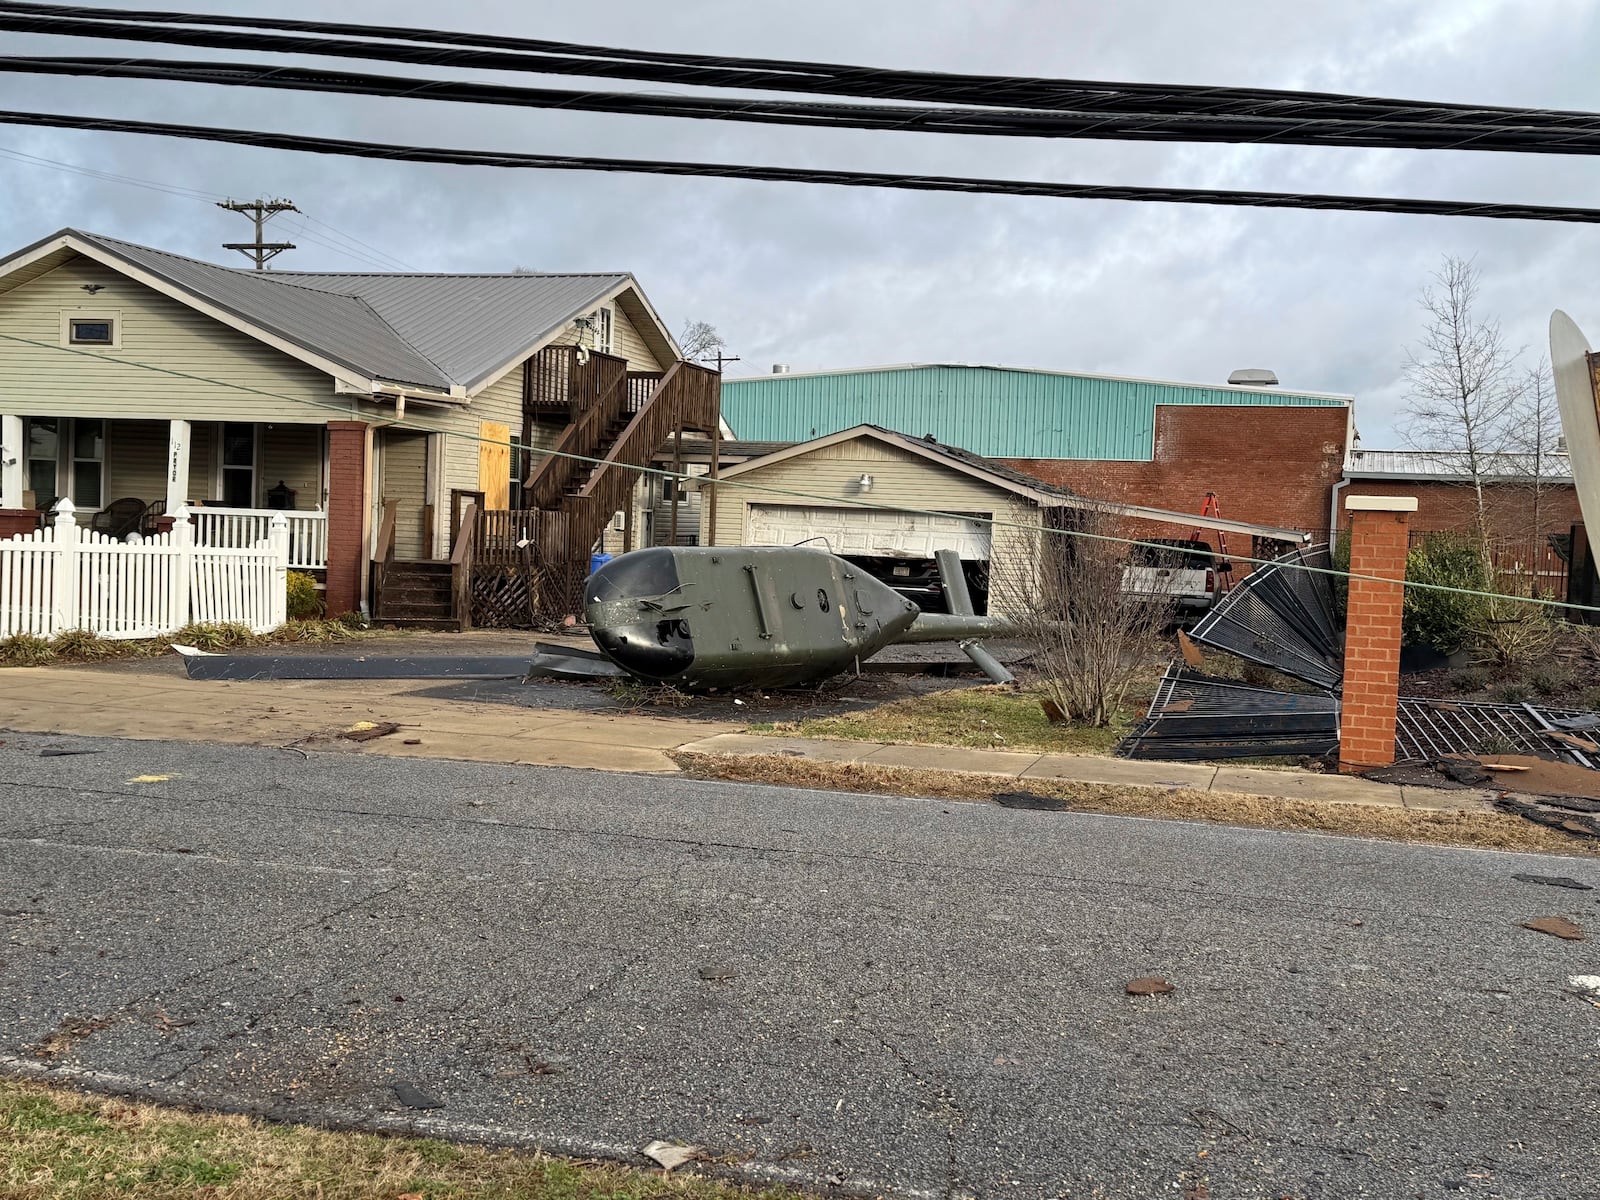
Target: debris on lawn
point(1148, 985)
point(1198, 716)
point(412, 742)
point(1031, 800)
point(1560, 881)
point(1551, 812)
point(1560, 927)
point(669, 1156)
point(365, 731)
point(414, 1097)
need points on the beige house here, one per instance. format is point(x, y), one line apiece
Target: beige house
point(135, 382)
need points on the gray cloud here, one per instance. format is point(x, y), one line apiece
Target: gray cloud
point(828, 277)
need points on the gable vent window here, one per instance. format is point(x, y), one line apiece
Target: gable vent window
point(91, 333)
point(603, 339)
point(92, 327)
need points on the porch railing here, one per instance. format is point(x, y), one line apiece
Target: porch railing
point(237, 528)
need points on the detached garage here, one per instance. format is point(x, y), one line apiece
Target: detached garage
point(879, 497)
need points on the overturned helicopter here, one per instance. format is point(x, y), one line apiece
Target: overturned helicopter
point(706, 618)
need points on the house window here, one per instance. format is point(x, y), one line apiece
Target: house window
point(88, 463)
point(44, 455)
point(521, 466)
point(92, 327)
point(90, 333)
point(238, 465)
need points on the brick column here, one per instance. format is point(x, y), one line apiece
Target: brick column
point(349, 443)
point(1378, 543)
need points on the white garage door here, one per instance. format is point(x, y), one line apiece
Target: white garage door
point(868, 531)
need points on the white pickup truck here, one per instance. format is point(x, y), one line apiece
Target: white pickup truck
point(1182, 572)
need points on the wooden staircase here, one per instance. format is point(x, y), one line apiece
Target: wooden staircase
point(417, 595)
point(619, 419)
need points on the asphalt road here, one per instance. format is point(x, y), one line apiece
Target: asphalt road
point(893, 994)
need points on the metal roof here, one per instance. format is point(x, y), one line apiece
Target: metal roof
point(429, 331)
point(470, 326)
point(1449, 466)
point(998, 412)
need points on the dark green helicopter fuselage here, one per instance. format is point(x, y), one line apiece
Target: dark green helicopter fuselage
point(704, 618)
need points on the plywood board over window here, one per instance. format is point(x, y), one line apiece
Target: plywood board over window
point(494, 464)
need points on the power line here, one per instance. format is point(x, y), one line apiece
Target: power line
point(171, 189)
point(921, 183)
point(497, 52)
point(1503, 136)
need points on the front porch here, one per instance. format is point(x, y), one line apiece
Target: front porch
point(126, 477)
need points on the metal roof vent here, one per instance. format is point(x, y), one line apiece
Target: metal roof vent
point(780, 368)
point(1254, 377)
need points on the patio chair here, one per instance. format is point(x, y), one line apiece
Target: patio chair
point(119, 518)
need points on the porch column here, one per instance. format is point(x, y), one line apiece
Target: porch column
point(178, 443)
point(13, 456)
point(349, 452)
point(1369, 706)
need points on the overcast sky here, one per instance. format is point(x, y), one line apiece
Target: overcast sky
point(822, 277)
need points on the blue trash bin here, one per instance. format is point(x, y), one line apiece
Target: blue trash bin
point(596, 561)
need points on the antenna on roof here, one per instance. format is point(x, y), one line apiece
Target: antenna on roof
point(263, 211)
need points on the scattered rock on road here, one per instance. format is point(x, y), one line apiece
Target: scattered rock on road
point(414, 1097)
point(1559, 927)
point(1561, 881)
point(668, 1155)
point(1148, 985)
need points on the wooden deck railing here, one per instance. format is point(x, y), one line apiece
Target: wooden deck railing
point(600, 399)
point(685, 395)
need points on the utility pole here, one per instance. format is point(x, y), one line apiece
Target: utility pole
point(725, 358)
point(262, 211)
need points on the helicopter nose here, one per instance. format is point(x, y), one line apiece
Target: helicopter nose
point(630, 629)
point(655, 650)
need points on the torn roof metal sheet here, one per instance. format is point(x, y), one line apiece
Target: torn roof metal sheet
point(1194, 715)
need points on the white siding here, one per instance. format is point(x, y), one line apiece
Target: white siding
point(828, 477)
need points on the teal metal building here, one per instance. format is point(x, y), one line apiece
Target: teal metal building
point(1001, 412)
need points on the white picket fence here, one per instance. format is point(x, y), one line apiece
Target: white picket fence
point(239, 528)
point(65, 577)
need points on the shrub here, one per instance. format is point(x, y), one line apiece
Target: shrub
point(305, 602)
point(25, 650)
point(353, 620)
point(1472, 679)
point(1511, 692)
point(1550, 681)
point(1446, 621)
point(204, 636)
point(81, 645)
point(1511, 636)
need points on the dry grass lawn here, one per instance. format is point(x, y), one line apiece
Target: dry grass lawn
point(994, 718)
point(56, 1143)
point(1485, 831)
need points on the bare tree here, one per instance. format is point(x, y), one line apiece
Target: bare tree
point(1463, 387)
point(1066, 590)
point(700, 340)
point(1535, 435)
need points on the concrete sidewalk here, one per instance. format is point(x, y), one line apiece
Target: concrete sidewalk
point(311, 714)
point(1023, 766)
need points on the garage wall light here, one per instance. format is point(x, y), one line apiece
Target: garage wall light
point(864, 483)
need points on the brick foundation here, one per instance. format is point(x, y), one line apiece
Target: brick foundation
point(348, 443)
point(1379, 530)
point(17, 520)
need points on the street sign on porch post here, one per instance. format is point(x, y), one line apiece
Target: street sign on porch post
point(177, 465)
